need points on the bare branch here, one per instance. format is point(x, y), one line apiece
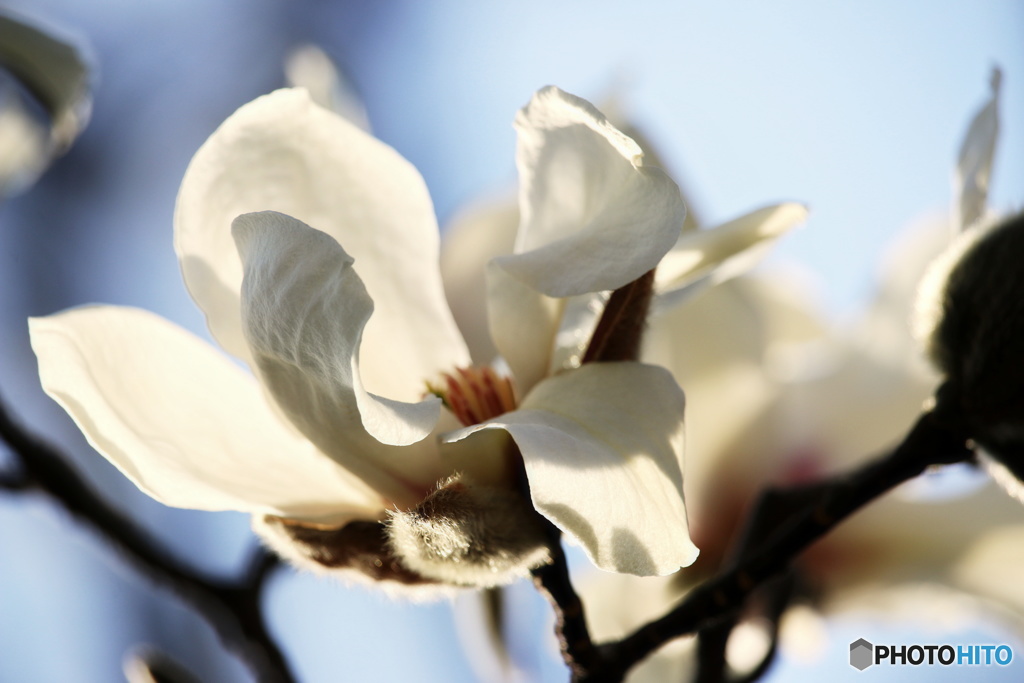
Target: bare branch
point(553, 581)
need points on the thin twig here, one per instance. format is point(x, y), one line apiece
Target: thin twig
point(553, 581)
point(711, 646)
point(230, 607)
point(13, 481)
point(780, 592)
point(262, 564)
point(772, 511)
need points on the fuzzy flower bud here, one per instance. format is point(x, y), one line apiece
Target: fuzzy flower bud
point(970, 317)
point(356, 551)
point(470, 535)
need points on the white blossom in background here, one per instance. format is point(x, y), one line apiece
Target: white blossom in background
point(307, 66)
point(45, 100)
point(312, 249)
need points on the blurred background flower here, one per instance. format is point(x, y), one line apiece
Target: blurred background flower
point(856, 109)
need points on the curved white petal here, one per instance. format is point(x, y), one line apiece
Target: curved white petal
point(974, 165)
point(728, 249)
point(469, 242)
point(523, 324)
point(593, 217)
point(603, 449)
point(304, 310)
point(182, 422)
point(283, 153)
point(580, 318)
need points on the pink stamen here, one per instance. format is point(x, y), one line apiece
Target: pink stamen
point(475, 395)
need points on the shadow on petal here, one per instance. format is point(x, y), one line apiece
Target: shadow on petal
point(629, 550)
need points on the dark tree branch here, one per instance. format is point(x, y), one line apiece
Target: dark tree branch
point(13, 481)
point(711, 645)
point(780, 592)
point(262, 564)
point(232, 608)
point(773, 510)
point(771, 598)
point(553, 581)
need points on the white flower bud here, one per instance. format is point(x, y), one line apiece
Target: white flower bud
point(469, 535)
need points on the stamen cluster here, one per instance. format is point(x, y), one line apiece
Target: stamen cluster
point(475, 394)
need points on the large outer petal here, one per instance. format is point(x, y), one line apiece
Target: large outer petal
point(603, 449)
point(182, 422)
point(283, 153)
point(304, 310)
point(593, 217)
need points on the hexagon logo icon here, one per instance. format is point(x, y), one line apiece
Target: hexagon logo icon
point(861, 654)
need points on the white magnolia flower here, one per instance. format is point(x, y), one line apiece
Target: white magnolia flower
point(344, 323)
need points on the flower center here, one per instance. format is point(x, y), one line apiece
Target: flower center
point(475, 394)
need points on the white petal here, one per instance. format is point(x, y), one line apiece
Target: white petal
point(895, 540)
point(593, 217)
point(304, 309)
point(974, 166)
point(523, 325)
point(283, 153)
point(309, 67)
point(991, 565)
point(471, 240)
point(182, 422)
point(580, 317)
point(603, 449)
point(728, 249)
